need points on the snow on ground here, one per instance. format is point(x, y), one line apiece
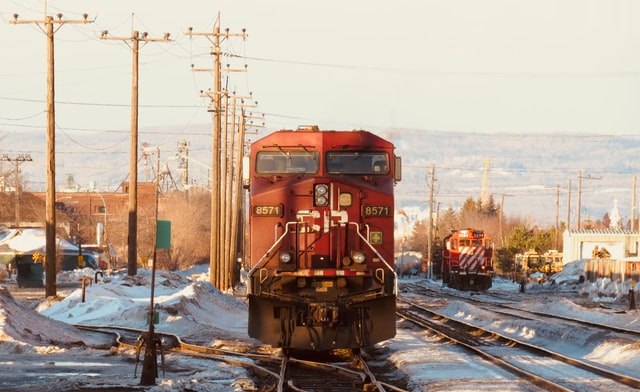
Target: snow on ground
point(190, 307)
point(433, 368)
point(79, 360)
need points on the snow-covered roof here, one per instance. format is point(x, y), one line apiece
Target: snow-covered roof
point(603, 231)
point(30, 240)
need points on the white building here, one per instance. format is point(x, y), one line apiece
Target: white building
point(579, 244)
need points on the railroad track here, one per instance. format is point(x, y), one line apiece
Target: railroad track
point(353, 375)
point(281, 373)
point(540, 366)
point(510, 308)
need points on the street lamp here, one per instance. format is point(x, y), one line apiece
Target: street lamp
point(17, 160)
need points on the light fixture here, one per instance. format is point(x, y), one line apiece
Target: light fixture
point(320, 195)
point(358, 257)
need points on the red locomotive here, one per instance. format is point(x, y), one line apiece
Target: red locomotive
point(467, 260)
point(321, 232)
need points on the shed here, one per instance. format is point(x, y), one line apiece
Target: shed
point(579, 244)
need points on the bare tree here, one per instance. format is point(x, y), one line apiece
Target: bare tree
point(190, 229)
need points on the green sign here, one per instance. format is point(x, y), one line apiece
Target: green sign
point(163, 234)
point(156, 318)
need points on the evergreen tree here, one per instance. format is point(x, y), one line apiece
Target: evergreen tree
point(469, 214)
point(418, 239)
point(505, 259)
point(543, 240)
point(521, 238)
point(447, 221)
point(489, 209)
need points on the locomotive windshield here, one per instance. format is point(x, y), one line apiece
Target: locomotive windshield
point(357, 162)
point(287, 162)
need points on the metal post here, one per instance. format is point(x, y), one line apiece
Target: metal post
point(150, 364)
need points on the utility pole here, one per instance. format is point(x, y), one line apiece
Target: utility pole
point(557, 226)
point(150, 365)
point(633, 205)
point(134, 43)
point(580, 177)
point(17, 160)
point(47, 26)
point(557, 214)
point(579, 196)
point(236, 218)
point(429, 229)
point(501, 218)
point(233, 183)
point(217, 234)
point(569, 205)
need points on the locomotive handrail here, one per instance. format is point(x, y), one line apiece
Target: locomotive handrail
point(263, 260)
point(370, 245)
point(366, 241)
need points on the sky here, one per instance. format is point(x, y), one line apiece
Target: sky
point(41, 339)
point(490, 66)
point(494, 66)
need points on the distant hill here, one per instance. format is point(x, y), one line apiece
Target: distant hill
point(524, 169)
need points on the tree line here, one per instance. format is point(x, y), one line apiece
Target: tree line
point(511, 235)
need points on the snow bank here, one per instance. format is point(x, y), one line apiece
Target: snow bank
point(191, 308)
point(23, 329)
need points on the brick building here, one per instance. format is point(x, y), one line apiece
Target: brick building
point(100, 218)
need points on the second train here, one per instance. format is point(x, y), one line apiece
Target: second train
point(467, 260)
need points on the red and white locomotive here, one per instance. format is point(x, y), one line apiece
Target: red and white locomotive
point(321, 235)
point(467, 260)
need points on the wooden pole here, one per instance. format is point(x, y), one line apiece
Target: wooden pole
point(50, 224)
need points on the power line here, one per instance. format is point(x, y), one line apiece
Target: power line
point(100, 103)
point(404, 71)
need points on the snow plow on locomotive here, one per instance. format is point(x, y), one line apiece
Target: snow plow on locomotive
point(467, 260)
point(321, 234)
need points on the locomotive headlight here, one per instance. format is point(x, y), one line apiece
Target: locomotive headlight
point(321, 192)
point(285, 257)
point(359, 257)
point(345, 199)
